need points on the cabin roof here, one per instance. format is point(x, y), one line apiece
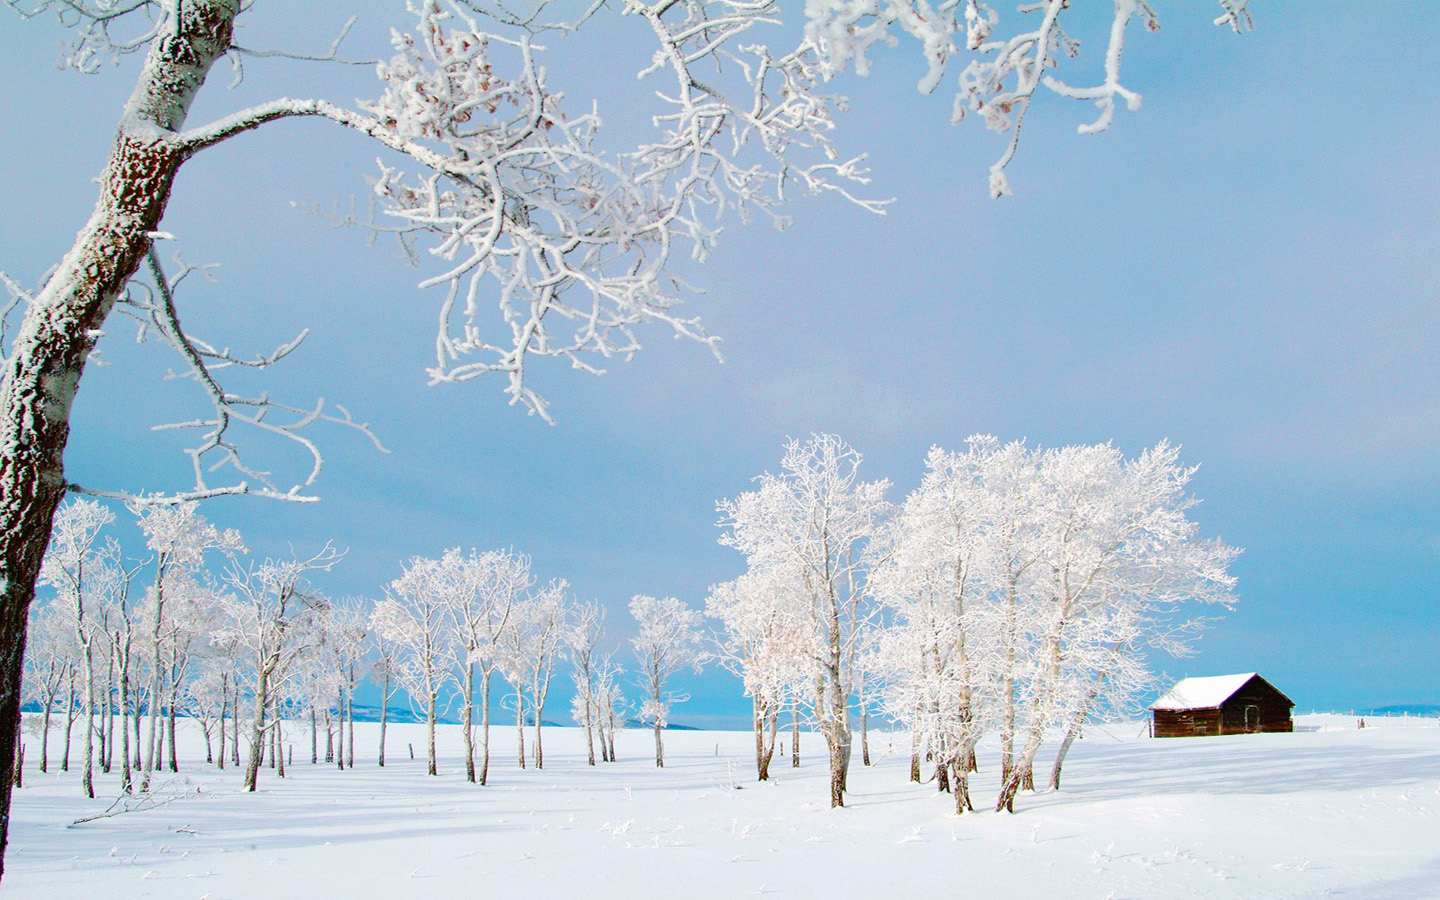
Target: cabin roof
point(1202, 693)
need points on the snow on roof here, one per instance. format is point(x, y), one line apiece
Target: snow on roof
point(1202, 693)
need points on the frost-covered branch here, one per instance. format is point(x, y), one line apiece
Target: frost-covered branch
point(153, 306)
point(19, 298)
point(105, 29)
point(1003, 73)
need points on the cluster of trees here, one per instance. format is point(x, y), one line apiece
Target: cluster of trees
point(1017, 590)
point(248, 648)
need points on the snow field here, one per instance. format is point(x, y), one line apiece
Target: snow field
point(1327, 811)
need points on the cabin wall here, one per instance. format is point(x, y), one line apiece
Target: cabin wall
point(1187, 722)
point(1270, 712)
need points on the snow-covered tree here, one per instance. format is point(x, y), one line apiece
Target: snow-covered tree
point(950, 579)
point(385, 671)
point(48, 659)
point(814, 519)
point(482, 590)
point(1115, 546)
point(765, 645)
point(1023, 584)
point(609, 704)
point(529, 651)
point(265, 613)
point(72, 566)
point(416, 619)
point(180, 538)
point(584, 640)
point(667, 640)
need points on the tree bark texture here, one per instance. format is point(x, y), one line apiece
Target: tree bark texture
point(63, 322)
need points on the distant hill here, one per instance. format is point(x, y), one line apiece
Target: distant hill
point(636, 723)
point(399, 713)
point(1402, 709)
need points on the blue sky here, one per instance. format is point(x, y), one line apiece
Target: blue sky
point(1247, 266)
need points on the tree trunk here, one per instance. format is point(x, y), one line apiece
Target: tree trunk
point(87, 779)
point(340, 730)
point(69, 720)
point(865, 737)
point(766, 724)
point(960, 786)
point(430, 719)
point(277, 747)
point(915, 755)
point(659, 745)
point(484, 726)
point(45, 738)
point(467, 732)
point(795, 736)
point(170, 729)
point(107, 717)
point(833, 711)
point(762, 764)
point(520, 724)
point(350, 724)
point(257, 731)
point(136, 725)
point(315, 737)
point(224, 708)
point(384, 714)
point(1071, 733)
point(235, 715)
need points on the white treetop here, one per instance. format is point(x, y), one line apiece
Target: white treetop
point(813, 521)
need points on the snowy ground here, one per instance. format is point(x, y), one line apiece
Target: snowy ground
point(1328, 811)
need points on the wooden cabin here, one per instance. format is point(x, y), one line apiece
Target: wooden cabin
point(1222, 704)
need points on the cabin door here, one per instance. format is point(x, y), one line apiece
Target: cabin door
point(1252, 719)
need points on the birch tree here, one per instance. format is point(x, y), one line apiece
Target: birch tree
point(815, 518)
point(47, 664)
point(765, 645)
point(584, 643)
point(265, 613)
point(482, 590)
point(415, 618)
point(530, 649)
point(385, 671)
point(180, 538)
point(71, 567)
point(667, 641)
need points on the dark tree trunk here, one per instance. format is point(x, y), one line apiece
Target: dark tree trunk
point(64, 320)
point(170, 731)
